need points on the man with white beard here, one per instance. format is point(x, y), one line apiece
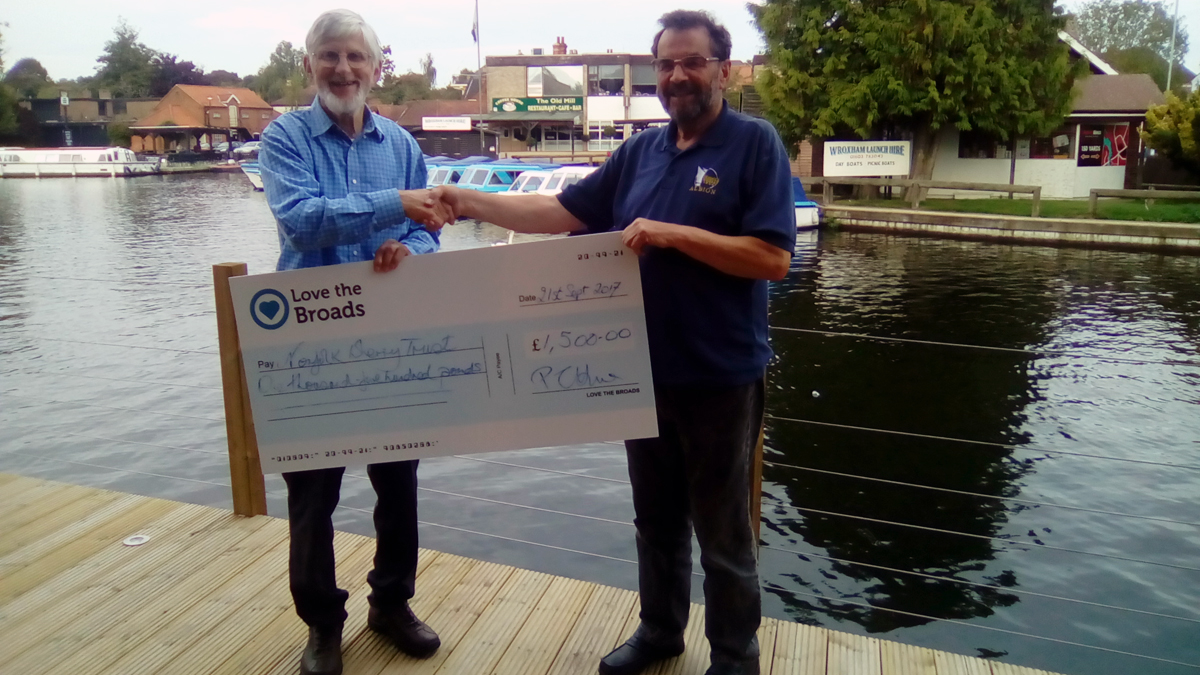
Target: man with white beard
point(347, 185)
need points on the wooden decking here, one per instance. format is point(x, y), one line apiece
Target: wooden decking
point(208, 593)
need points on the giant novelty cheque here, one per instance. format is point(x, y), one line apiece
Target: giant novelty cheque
point(500, 348)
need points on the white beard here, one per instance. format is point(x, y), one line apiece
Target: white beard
point(341, 106)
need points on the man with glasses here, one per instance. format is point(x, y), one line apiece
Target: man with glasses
point(346, 185)
point(706, 203)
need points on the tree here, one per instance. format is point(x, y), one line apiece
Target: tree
point(8, 100)
point(224, 78)
point(1146, 60)
point(1174, 130)
point(168, 71)
point(27, 77)
point(284, 64)
point(126, 67)
point(1111, 25)
point(428, 70)
point(842, 68)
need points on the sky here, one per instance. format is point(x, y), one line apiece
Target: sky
point(66, 36)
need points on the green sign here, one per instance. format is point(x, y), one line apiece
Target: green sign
point(539, 104)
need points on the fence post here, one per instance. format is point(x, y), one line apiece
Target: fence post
point(914, 195)
point(826, 193)
point(1037, 201)
point(756, 472)
point(245, 470)
point(1092, 204)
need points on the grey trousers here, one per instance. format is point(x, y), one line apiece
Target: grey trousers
point(697, 474)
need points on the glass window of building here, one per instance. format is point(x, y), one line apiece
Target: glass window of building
point(554, 81)
point(643, 80)
point(606, 80)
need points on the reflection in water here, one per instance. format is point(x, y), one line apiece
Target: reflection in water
point(106, 301)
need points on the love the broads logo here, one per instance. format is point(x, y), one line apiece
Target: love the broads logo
point(269, 309)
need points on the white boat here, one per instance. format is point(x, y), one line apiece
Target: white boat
point(808, 216)
point(562, 177)
point(251, 171)
point(49, 162)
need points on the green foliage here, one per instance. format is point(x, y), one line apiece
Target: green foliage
point(168, 71)
point(1174, 130)
point(126, 66)
point(1111, 25)
point(119, 134)
point(224, 78)
point(286, 64)
point(8, 112)
point(411, 86)
point(27, 77)
point(1146, 60)
point(842, 67)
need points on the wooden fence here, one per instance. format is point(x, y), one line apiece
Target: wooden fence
point(1149, 195)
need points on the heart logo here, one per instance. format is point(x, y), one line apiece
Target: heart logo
point(270, 308)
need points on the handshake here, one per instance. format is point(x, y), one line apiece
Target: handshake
point(434, 208)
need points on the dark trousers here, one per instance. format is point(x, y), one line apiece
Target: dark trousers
point(697, 474)
point(312, 496)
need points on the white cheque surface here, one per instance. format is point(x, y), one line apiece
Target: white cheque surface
point(502, 348)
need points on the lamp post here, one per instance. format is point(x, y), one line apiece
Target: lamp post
point(1171, 53)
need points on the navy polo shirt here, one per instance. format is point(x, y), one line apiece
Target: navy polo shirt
point(705, 326)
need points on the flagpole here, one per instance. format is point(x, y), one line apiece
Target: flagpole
point(479, 74)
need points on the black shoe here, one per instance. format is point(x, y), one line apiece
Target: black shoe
point(745, 668)
point(323, 653)
point(638, 652)
point(411, 635)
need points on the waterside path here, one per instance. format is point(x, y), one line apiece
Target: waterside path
point(207, 593)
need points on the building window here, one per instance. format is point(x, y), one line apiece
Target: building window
point(265, 115)
point(554, 81)
point(216, 116)
point(1103, 144)
point(606, 80)
point(604, 135)
point(643, 80)
point(1058, 145)
point(982, 145)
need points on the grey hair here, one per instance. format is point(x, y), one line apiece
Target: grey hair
point(339, 24)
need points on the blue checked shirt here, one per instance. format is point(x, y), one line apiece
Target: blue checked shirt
point(336, 200)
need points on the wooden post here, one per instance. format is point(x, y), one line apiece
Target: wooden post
point(914, 194)
point(245, 470)
point(826, 193)
point(1092, 204)
point(756, 472)
point(1037, 201)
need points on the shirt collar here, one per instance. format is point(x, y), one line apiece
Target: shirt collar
point(319, 122)
point(713, 136)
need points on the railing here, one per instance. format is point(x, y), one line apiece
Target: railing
point(915, 189)
point(245, 473)
point(1149, 195)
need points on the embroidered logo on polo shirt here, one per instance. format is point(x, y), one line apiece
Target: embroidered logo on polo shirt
point(706, 181)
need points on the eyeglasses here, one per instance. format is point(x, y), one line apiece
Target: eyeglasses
point(332, 58)
point(692, 63)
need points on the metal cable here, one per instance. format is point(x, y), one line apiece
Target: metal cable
point(152, 445)
point(1009, 542)
point(109, 344)
point(979, 584)
point(113, 468)
point(136, 410)
point(981, 495)
point(982, 627)
point(118, 379)
point(538, 468)
point(1012, 350)
point(149, 283)
point(1002, 446)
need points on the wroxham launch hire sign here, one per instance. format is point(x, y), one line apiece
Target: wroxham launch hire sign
point(868, 158)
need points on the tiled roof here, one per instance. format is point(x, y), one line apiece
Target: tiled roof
point(1117, 94)
point(211, 96)
point(409, 113)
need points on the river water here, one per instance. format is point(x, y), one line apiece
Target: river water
point(987, 449)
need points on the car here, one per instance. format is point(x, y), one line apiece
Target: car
point(249, 148)
point(224, 147)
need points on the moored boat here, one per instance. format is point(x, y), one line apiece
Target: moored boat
point(252, 173)
point(58, 162)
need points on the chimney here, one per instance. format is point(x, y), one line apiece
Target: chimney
point(560, 47)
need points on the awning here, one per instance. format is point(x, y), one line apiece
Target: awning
point(528, 116)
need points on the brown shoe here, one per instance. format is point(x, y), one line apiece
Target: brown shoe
point(411, 635)
point(323, 653)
